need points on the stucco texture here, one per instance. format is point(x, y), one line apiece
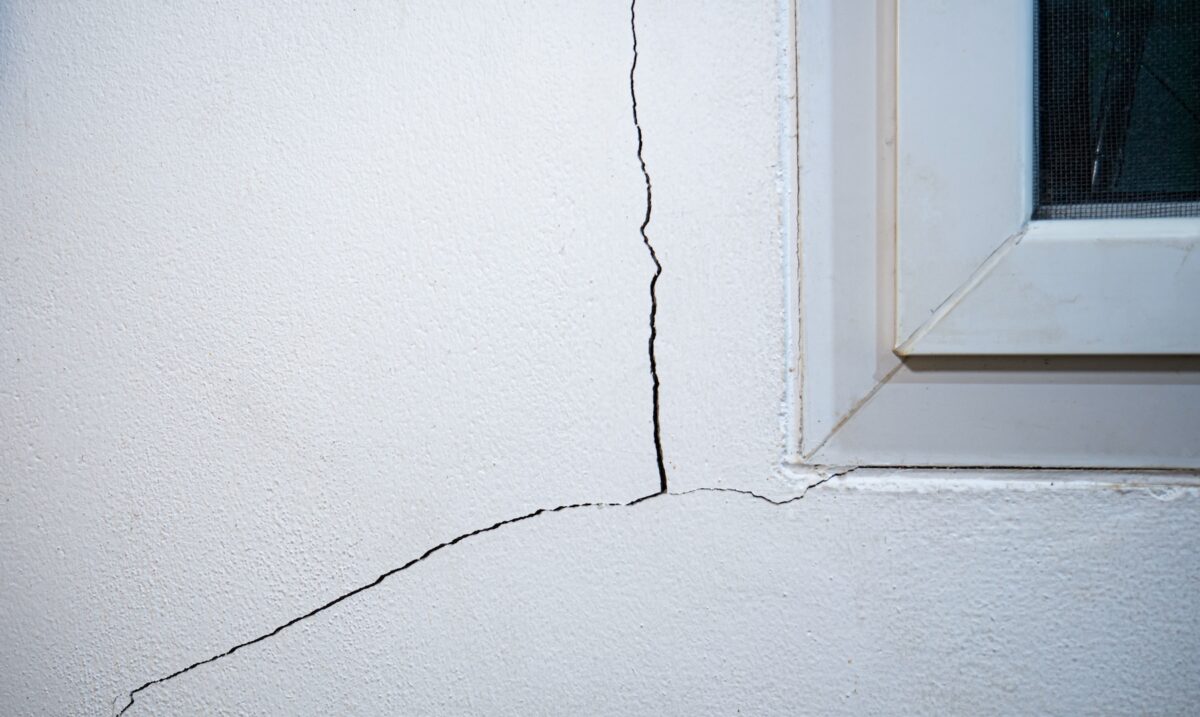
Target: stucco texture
point(847, 602)
point(291, 296)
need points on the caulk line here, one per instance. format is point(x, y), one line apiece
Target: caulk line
point(662, 470)
point(658, 449)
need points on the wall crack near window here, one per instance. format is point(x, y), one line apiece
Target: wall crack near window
point(838, 473)
point(661, 465)
point(362, 588)
point(658, 450)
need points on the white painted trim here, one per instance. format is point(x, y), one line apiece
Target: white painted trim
point(796, 482)
point(846, 182)
point(861, 404)
point(789, 179)
point(964, 95)
point(1165, 485)
point(1109, 286)
point(1181, 230)
point(974, 277)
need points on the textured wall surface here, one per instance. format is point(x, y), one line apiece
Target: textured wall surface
point(849, 601)
point(290, 297)
point(291, 294)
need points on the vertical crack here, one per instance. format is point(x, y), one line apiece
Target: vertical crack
point(658, 449)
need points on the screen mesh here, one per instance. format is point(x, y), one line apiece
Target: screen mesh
point(1118, 108)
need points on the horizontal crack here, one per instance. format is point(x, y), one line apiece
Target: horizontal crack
point(772, 501)
point(750, 493)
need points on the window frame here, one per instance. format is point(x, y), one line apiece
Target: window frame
point(860, 403)
point(974, 274)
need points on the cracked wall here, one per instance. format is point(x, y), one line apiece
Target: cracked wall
point(715, 603)
point(290, 296)
point(337, 346)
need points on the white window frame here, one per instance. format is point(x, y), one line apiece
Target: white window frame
point(974, 275)
point(859, 403)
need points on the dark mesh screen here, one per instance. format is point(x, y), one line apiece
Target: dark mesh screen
point(1118, 108)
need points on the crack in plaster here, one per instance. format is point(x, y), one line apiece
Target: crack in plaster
point(751, 493)
point(658, 450)
point(362, 588)
point(741, 491)
point(662, 470)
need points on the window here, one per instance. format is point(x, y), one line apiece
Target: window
point(1118, 108)
point(942, 324)
point(975, 275)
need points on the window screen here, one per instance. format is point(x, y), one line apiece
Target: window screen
point(1118, 108)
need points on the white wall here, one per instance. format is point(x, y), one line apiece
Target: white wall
point(290, 296)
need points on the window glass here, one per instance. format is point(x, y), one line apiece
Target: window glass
point(1118, 108)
